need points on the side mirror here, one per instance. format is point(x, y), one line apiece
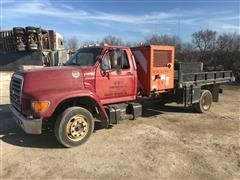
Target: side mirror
point(119, 58)
point(105, 67)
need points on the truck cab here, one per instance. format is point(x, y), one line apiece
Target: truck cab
point(110, 72)
point(92, 78)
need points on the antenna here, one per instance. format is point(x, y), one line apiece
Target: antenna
point(179, 27)
point(1, 16)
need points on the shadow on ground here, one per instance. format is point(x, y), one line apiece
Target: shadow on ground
point(153, 109)
point(12, 134)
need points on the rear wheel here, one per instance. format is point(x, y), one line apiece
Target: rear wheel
point(31, 29)
point(205, 102)
point(33, 46)
point(18, 30)
point(74, 126)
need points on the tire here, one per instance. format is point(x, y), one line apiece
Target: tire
point(68, 123)
point(18, 30)
point(33, 46)
point(21, 47)
point(30, 31)
point(53, 60)
point(38, 30)
point(205, 102)
point(30, 28)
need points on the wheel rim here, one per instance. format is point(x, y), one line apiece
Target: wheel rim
point(77, 128)
point(206, 101)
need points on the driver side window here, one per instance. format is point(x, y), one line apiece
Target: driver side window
point(115, 59)
point(106, 65)
point(109, 61)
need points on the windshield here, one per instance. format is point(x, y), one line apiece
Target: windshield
point(85, 57)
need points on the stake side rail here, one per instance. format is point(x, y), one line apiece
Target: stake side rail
point(205, 78)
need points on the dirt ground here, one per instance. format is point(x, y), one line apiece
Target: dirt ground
point(168, 143)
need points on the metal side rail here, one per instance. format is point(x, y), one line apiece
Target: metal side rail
point(215, 77)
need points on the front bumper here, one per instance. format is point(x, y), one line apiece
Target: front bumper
point(30, 126)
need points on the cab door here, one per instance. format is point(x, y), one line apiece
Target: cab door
point(116, 77)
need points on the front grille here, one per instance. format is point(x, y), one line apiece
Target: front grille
point(16, 91)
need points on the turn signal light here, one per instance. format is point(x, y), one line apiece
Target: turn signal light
point(40, 106)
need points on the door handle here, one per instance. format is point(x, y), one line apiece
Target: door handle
point(129, 73)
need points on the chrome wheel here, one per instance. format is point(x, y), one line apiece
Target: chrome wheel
point(206, 101)
point(74, 126)
point(77, 128)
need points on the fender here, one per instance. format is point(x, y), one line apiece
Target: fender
point(57, 98)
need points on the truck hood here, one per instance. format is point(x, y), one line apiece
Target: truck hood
point(61, 78)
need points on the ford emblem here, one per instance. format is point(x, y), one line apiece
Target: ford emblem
point(75, 74)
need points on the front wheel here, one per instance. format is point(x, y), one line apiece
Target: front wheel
point(205, 102)
point(74, 126)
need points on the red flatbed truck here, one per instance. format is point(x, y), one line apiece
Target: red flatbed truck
point(107, 84)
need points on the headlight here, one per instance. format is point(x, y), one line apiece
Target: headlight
point(40, 106)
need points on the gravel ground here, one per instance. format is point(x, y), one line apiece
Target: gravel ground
point(167, 143)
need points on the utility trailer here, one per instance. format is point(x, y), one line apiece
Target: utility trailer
point(107, 84)
point(31, 46)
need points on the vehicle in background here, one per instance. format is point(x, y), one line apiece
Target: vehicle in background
point(31, 46)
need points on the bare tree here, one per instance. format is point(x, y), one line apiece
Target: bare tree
point(165, 40)
point(187, 53)
point(204, 40)
point(228, 51)
point(112, 40)
point(205, 43)
point(228, 45)
point(129, 44)
point(72, 43)
point(228, 42)
point(90, 42)
point(162, 40)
